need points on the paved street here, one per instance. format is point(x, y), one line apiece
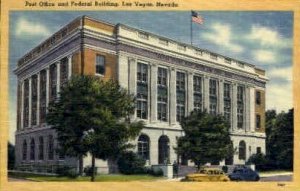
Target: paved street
point(277, 178)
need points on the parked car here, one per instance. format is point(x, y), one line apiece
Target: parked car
point(244, 174)
point(207, 174)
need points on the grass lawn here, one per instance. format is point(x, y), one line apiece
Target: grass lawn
point(99, 178)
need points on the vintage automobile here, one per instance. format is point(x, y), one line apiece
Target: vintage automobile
point(207, 174)
point(243, 174)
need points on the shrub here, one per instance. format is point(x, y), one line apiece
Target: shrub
point(130, 163)
point(88, 170)
point(156, 172)
point(225, 169)
point(67, 171)
point(259, 160)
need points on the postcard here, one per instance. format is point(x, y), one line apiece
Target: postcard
point(144, 95)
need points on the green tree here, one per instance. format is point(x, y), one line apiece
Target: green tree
point(206, 138)
point(279, 139)
point(91, 116)
point(11, 156)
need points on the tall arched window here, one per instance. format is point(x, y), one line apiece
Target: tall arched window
point(143, 146)
point(32, 149)
point(242, 150)
point(50, 147)
point(163, 150)
point(41, 148)
point(24, 150)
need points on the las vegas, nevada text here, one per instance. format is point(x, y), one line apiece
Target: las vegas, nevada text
point(100, 4)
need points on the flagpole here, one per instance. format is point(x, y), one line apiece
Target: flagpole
point(191, 28)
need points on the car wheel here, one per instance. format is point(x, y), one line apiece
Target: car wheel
point(256, 178)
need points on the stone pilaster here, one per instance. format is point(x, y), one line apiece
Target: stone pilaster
point(69, 66)
point(206, 93)
point(38, 99)
point(47, 86)
point(132, 79)
point(247, 108)
point(234, 106)
point(153, 93)
point(172, 102)
point(57, 78)
point(252, 109)
point(30, 101)
point(190, 93)
point(221, 97)
point(22, 106)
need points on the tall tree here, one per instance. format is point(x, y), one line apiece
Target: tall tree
point(92, 116)
point(206, 138)
point(279, 139)
point(10, 156)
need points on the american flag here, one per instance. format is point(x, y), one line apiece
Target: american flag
point(197, 18)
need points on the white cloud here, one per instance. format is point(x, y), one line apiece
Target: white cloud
point(281, 73)
point(25, 27)
point(268, 37)
point(265, 56)
point(221, 35)
point(279, 97)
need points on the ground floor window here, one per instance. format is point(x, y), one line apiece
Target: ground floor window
point(32, 149)
point(24, 149)
point(163, 150)
point(143, 146)
point(242, 150)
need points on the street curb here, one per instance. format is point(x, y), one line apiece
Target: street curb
point(275, 174)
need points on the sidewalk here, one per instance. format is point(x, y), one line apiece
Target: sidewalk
point(275, 174)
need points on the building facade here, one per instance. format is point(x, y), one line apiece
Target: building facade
point(169, 79)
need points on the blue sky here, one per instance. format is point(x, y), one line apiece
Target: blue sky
point(264, 39)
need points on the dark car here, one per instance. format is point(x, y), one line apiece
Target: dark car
point(244, 174)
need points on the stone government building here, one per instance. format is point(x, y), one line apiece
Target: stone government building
point(170, 80)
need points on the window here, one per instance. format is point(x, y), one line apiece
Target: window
point(242, 150)
point(24, 150)
point(163, 150)
point(34, 100)
point(213, 56)
point(143, 35)
point(162, 94)
point(240, 106)
point(41, 148)
point(63, 71)
point(197, 82)
point(50, 147)
point(53, 81)
point(163, 41)
point(144, 147)
point(32, 150)
point(258, 150)
point(43, 76)
point(227, 102)
point(52, 40)
point(26, 103)
point(258, 122)
point(64, 32)
point(258, 97)
point(213, 96)
point(100, 64)
point(180, 96)
point(142, 91)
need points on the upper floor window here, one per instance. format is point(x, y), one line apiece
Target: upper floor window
point(100, 64)
point(258, 122)
point(162, 77)
point(212, 87)
point(197, 84)
point(258, 97)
